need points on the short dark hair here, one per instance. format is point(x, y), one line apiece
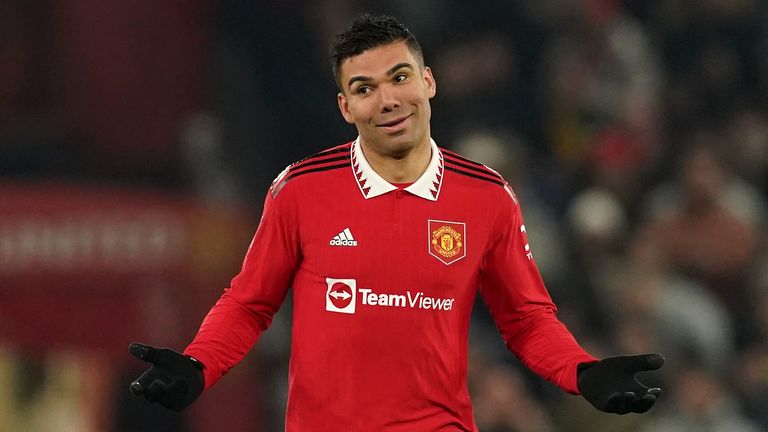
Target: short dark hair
point(367, 31)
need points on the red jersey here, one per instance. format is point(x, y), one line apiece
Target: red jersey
point(384, 281)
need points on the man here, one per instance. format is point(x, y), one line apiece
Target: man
point(386, 242)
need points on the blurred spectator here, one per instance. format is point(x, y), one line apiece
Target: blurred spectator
point(597, 225)
point(479, 79)
point(600, 73)
point(747, 141)
point(758, 300)
point(751, 382)
point(709, 221)
point(598, 221)
point(750, 370)
point(699, 401)
point(211, 174)
point(710, 54)
point(487, 60)
point(503, 402)
point(686, 322)
point(620, 165)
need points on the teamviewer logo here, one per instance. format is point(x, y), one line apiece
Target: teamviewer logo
point(341, 295)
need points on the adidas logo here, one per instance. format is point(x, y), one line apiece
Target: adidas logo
point(343, 238)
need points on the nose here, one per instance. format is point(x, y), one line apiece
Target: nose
point(388, 98)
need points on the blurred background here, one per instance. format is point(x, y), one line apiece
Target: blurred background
point(137, 141)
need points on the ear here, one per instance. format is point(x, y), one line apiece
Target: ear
point(344, 108)
point(429, 80)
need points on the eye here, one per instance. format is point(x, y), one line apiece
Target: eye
point(400, 77)
point(363, 90)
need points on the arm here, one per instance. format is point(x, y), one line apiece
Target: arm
point(526, 316)
point(235, 322)
point(245, 310)
point(521, 306)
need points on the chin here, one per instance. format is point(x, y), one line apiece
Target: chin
point(400, 146)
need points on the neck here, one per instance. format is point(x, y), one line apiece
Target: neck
point(401, 168)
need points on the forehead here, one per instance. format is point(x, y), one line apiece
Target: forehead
point(377, 61)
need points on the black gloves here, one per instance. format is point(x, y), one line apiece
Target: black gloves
point(173, 381)
point(611, 384)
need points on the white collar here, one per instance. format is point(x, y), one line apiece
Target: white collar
point(371, 184)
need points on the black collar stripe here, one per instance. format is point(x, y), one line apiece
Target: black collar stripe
point(277, 188)
point(316, 161)
point(322, 155)
point(483, 170)
point(474, 175)
point(457, 156)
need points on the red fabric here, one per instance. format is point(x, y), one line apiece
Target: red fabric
point(385, 368)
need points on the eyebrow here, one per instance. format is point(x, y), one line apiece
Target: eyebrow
point(391, 71)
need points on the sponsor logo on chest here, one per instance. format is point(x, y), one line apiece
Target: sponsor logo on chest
point(342, 295)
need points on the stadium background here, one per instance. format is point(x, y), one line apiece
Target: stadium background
point(137, 140)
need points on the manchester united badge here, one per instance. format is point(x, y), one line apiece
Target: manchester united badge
point(447, 240)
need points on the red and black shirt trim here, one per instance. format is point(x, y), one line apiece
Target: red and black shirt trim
point(335, 158)
point(469, 168)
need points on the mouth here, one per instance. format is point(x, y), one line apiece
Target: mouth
point(394, 125)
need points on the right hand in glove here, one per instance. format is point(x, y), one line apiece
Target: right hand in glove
point(174, 380)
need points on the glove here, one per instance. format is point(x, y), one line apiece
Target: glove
point(611, 384)
point(174, 380)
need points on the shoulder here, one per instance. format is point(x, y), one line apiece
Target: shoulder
point(333, 158)
point(477, 174)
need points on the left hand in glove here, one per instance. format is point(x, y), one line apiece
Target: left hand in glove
point(611, 384)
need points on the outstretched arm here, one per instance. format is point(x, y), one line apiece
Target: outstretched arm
point(526, 317)
point(234, 323)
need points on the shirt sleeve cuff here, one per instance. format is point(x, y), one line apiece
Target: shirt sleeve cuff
point(570, 378)
point(210, 374)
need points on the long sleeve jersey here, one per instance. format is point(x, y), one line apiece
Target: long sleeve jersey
point(384, 278)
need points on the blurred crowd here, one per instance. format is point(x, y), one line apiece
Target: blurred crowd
point(634, 132)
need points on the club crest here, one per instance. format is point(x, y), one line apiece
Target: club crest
point(447, 240)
